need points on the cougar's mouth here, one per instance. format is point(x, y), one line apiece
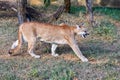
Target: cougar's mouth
point(84, 35)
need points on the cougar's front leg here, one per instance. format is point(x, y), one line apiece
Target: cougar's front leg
point(77, 51)
point(53, 48)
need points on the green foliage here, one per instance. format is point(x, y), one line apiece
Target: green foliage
point(47, 3)
point(74, 9)
point(113, 13)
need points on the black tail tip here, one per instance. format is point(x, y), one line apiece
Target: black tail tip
point(10, 52)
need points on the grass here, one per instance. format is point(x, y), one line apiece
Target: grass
point(9, 76)
point(99, 47)
point(106, 30)
point(104, 11)
point(110, 12)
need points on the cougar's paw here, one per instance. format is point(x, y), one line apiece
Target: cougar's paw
point(36, 56)
point(55, 55)
point(84, 60)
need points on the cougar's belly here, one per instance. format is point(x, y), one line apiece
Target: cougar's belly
point(56, 41)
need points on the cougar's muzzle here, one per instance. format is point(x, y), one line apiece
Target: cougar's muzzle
point(85, 34)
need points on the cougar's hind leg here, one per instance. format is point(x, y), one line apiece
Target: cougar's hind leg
point(53, 48)
point(31, 47)
point(15, 44)
point(12, 49)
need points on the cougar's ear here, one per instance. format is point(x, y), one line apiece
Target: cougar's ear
point(79, 26)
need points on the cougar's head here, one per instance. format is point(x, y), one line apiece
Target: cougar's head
point(80, 30)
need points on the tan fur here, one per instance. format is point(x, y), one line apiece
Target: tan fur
point(54, 34)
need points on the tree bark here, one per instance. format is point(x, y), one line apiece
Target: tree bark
point(67, 4)
point(21, 9)
point(89, 10)
point(25, 12)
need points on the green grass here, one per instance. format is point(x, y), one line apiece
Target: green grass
point(10, 76)
point(76, 9)
point(113, 13)
point(106, 30)
point(53, 71)
point(62, 73)
point(8, 27)
point(60, 70)
point(33, 73)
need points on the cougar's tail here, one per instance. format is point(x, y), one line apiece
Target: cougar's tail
point(17, 45)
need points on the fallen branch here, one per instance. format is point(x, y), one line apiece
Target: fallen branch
point(33, 13)
point(57, 14)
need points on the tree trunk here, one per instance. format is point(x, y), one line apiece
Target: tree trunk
point(67, 4)
point(22, 11)
point(89, 10)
